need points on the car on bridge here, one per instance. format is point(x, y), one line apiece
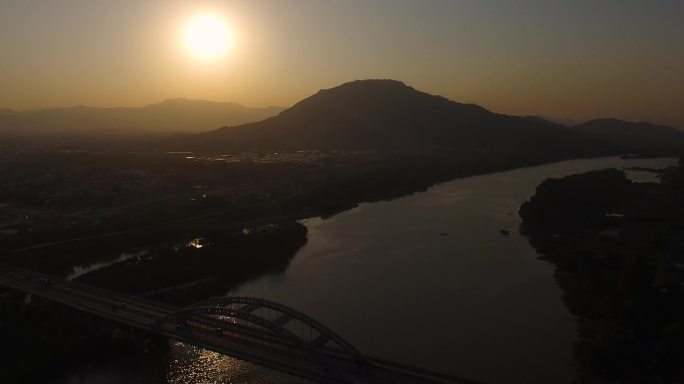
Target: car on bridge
point(44, 282)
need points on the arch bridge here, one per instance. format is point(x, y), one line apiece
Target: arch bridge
point(263, 319)
point(260, 331)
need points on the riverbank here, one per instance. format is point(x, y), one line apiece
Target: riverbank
point(188, 269)
point(617, 249)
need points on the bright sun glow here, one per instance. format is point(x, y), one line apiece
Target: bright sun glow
point(207, 37)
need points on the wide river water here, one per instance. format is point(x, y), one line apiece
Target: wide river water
point(427, 279)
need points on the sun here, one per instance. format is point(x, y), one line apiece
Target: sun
point(207, 36)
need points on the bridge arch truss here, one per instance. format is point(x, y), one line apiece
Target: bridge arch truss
point(284, 323)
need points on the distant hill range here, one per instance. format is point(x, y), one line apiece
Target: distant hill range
point(389, 115)
point(379, 115)
point(642, 136)
point(175, 115)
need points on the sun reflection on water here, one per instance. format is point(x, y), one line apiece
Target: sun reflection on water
point(192, 365)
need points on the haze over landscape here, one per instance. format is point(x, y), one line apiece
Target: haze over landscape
point(267, 191)
point(578, 60)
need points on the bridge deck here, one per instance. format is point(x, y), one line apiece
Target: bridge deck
point(253, 345)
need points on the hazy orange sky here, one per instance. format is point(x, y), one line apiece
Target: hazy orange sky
point(576, 58)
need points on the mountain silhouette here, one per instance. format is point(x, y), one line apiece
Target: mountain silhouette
point(175, 115)
point(389, 115)
point(385, 115)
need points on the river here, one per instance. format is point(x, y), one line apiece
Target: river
point(428, 279)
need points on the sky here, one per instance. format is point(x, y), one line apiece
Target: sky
point(576, 59)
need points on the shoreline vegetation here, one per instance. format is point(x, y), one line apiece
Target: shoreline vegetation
point(618, 252)
point(206, 266)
